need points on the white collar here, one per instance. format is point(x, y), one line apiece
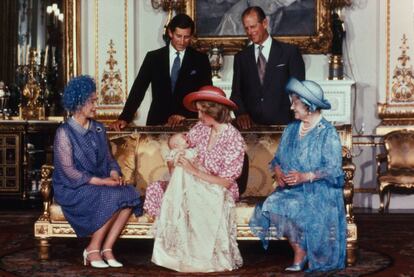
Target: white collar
point(266, 44)
point(173, 52)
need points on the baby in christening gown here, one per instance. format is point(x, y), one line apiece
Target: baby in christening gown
point(190, 214)
point(179, 146)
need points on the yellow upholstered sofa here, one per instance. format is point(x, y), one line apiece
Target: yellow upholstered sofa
point(140, 151)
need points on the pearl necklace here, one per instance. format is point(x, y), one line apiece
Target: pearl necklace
point(304, 130)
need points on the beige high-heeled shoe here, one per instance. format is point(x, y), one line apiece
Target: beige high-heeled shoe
point(96, 264)
point(111, 262)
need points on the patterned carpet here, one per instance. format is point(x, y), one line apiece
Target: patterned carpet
point(387, 249)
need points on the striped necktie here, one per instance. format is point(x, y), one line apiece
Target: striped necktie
point(261, 64)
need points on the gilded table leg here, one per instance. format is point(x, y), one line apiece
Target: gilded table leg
point(43, 249)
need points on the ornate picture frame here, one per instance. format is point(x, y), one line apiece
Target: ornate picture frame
point(316, 40)
point(72, 11)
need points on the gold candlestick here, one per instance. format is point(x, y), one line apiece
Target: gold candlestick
point(31, 106)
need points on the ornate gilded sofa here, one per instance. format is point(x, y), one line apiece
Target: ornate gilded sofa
point(140, 153)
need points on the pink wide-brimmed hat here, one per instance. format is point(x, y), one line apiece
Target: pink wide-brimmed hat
point(208, 93)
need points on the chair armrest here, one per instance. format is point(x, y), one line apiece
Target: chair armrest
point(46, 190)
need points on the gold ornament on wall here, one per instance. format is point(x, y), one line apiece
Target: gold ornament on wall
point(402, 90)
point(111, 82)
point(397, 109)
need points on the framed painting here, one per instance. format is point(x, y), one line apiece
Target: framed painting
point(305, 23)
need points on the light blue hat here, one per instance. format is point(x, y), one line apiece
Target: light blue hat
point(309, 92)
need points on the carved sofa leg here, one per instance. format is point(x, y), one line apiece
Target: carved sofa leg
point(351, 244)
point(351, 253)
point(384, 188)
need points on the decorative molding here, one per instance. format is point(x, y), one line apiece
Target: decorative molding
point(403, 80)
point(126, 48)
point(111, 92)
point(108, 111)
point(397, 111)
point(96, 41)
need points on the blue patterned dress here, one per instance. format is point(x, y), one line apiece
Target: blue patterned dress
point(79, 155)
point(310, 214)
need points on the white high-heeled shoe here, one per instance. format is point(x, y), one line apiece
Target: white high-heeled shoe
point(299, 266)
point(96, 264)
point(111, 262)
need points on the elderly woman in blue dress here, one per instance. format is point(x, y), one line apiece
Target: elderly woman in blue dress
point(307, 206)
point(87, 181)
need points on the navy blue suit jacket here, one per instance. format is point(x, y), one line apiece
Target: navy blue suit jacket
point(269, 103)
point(195, 72)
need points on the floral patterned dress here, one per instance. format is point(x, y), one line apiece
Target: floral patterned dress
point(227, 167)
point(196, 229)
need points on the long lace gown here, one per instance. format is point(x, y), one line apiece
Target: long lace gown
point(310, 214)
point(196, 229)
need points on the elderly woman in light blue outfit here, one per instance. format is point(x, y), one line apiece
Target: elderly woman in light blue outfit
point(307, 206)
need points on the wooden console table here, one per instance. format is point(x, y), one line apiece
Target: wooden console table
point(24, 146)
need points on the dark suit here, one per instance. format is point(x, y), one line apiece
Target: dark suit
point(269, 103)
point(195, 72)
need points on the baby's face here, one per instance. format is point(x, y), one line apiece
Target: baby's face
point(179, 142)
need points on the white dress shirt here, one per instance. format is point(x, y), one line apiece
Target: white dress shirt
point(173, 54)
point(267, 44)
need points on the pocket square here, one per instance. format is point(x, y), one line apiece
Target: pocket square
point(280, 65)
point(193, 72)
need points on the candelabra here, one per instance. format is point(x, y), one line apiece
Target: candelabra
point(32, 79)
point(169, 6)
point(56, 12)
point(54, 59)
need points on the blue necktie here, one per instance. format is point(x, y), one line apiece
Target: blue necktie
point(175, 70)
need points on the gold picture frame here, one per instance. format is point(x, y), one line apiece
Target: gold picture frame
point(72, 49)
point(318, 42)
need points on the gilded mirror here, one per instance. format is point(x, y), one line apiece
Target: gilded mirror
point(46, 55)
